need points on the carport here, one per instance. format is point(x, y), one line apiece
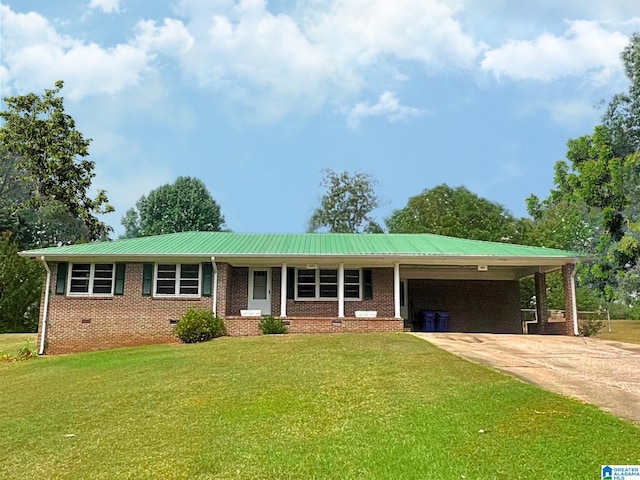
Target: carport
point(482, 295)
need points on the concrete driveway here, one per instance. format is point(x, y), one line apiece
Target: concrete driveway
point(601, 372)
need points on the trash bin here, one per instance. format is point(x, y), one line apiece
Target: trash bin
point(442, 321)
point(429, 319)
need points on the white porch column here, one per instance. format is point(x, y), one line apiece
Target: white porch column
point(214, 288)
point(396, 290)
point(283, 290)
point(341, 290)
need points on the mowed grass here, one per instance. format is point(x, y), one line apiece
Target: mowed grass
point(621, 331)
point(10, 343)
point(291, 407)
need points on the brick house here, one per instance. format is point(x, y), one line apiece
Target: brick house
point(132, 291)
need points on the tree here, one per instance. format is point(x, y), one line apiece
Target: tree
point(347, 204)
point(603, 187)
point(457, 212)
point(186, 205)
point(20, 288)
point(44, 161)
point(622, 117)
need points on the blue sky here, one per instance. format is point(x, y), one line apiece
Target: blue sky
point(255, 98)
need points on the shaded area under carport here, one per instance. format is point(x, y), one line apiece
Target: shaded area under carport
point(601, 372)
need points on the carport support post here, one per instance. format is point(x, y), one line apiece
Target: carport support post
point(541, 301)
point(570, 305)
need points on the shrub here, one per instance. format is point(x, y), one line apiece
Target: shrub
point(199, 326)
point(26, 352)
point(270, 325)
point(590, 327)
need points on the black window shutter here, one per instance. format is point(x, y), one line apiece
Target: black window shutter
point(147, 279)
point(61, 278)
point(207, 274)
point(120, 271)
point(291, 283)
point(367, 273)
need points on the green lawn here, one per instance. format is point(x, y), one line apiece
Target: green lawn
point(11, 342)
point(622, 331)
point(292, 407)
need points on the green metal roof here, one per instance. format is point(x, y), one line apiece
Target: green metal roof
point(226, 244)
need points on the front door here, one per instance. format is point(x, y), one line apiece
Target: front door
point(260, 290)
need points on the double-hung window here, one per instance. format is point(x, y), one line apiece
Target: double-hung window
point(322, 284)
point(177, 280)
point(95, 279)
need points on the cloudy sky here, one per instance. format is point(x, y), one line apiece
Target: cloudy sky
point(256, 98)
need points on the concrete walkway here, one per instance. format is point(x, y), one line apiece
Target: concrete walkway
point(601, 372)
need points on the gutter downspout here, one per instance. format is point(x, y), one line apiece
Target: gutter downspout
point(45, 313)
point(214, 307)
point(574, 303)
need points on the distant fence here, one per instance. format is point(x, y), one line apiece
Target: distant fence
point(530, 316)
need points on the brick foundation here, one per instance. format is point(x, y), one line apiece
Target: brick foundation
point(244, 326)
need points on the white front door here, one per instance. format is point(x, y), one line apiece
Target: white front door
point(260, 290)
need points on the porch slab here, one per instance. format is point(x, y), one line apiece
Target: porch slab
point(600, 372)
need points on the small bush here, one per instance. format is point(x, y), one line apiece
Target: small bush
point(199, 326)
point(270, 325)
point(26, 352)
point(590, 327)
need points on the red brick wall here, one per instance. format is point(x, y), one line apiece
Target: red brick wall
point(474, 305)
point(118, 321)
point(238, 290)
point(239, 326)
point(77, 324)
point(382, 301)
point(90, 323)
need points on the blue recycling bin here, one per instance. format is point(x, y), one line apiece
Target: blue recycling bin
point(442, 321)
point(429, 320)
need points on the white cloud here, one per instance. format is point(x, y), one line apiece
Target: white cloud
point(107, 6)
point(35, 56)
point(366, 31)
point(585, 48)
point(172, 38)
point(324, 54)
point(387, 106)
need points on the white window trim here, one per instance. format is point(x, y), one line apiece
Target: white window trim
point(317, 298)
point(177, 283)
point(92, 272)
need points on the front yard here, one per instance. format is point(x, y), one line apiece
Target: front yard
point(621, 331)
point(294, 406)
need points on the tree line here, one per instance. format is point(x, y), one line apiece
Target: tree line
point(594, 206)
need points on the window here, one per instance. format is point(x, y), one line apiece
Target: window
point(352, 284)
point(323, 284)
point(91, 279)
point(178, 280)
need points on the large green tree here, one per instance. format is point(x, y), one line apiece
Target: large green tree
point(20, 288)
point(44, 183)
point(457, 212)
point(600, 179)
point(622, 117)
point(45, 163)
point(347, 203)
point(595, 198)
point(185, 205)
